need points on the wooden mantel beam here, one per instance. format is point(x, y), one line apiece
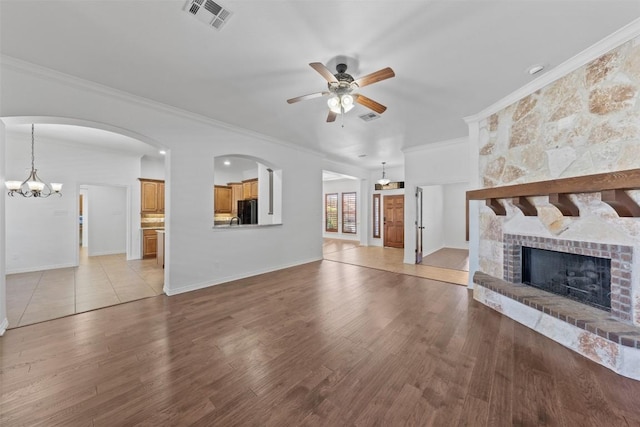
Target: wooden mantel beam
point(626, 180)
point(612, 185)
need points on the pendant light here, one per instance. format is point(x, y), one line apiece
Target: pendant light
point(384, 180)
point(33, 186)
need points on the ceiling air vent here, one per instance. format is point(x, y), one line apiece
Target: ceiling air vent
point(209, 12)
point(369, 116)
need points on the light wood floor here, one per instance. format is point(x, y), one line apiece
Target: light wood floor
point(99, 281)
point(324, 344)
point(392, 259)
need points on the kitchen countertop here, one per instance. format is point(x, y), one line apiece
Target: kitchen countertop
point(242, 226)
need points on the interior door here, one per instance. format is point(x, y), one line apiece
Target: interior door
point(419, 225)
point(394, 221)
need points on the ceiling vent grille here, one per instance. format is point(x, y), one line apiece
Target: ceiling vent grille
point(369, 116)
point(209, 12)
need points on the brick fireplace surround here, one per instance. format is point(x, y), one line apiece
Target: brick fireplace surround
point(620, 256)
point(609, 339)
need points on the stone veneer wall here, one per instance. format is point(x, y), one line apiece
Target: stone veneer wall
point(584, 123)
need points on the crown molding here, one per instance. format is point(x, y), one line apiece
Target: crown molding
point(77, 82)
point(464, 140)
point(619, 37)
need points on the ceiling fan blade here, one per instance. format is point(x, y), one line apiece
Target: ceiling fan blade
point(385, 73)
point(370, 104)
point(305, 97)
point(331, 117)
point(324, 72)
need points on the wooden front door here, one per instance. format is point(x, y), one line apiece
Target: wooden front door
point(394, 221)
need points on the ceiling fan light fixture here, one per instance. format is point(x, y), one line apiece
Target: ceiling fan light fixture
point(334, 104)
point(347, 102)
point(340, 103)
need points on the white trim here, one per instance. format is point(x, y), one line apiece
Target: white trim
point(69, 80)
point(3, 326)
point(435, 145)
point(621, 36)
point(202, 285)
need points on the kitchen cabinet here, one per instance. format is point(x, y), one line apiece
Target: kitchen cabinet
point(236, 194)
point(222, 195)
point(152, 196)
point(250, 189)
point(149, 243)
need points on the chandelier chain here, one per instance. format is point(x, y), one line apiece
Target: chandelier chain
point(33, 156)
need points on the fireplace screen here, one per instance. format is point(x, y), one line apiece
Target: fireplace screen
point(583, 278)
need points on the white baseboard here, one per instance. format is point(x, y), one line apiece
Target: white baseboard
point(3, 326)
point(116, 252)
point(195, 286)
point(39, 268)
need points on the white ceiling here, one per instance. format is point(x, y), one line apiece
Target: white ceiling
point(451, 59)
point(80, 135)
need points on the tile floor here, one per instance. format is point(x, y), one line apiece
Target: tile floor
point(392, 259)
point(97, 282)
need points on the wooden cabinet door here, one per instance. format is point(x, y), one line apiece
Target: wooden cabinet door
point(161, 197)
point(149, 243)
point(254, 189)
point(149, 202)
point(236, 194)
point(246, 190)
point(222, 199)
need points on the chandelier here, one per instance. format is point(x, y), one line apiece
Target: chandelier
point(384, 180)
point(33, 186)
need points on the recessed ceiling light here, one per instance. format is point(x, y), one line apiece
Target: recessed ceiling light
point(534, 69)
point(227, 162)
point(162, 152)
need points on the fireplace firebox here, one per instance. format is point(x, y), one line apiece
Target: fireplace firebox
point(583, 278)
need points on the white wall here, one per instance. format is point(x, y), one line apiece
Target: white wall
point(432, 219)
point(3, 268)
point(439, 163)
point(343, 186)
point(197, 255)
point(107, 225)
point(44, 232)
point(454, 196)
point(152, 168)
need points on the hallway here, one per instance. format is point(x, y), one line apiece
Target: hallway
point(97, 282)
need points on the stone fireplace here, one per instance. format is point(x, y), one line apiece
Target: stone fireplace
point(586, 123)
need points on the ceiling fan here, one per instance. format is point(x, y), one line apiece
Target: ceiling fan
point(340, 87)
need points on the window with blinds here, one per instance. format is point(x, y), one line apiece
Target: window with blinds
point(331, 212)
point(349, 213)
point(376, 216)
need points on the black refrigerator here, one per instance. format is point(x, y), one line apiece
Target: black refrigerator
point(248, 211)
